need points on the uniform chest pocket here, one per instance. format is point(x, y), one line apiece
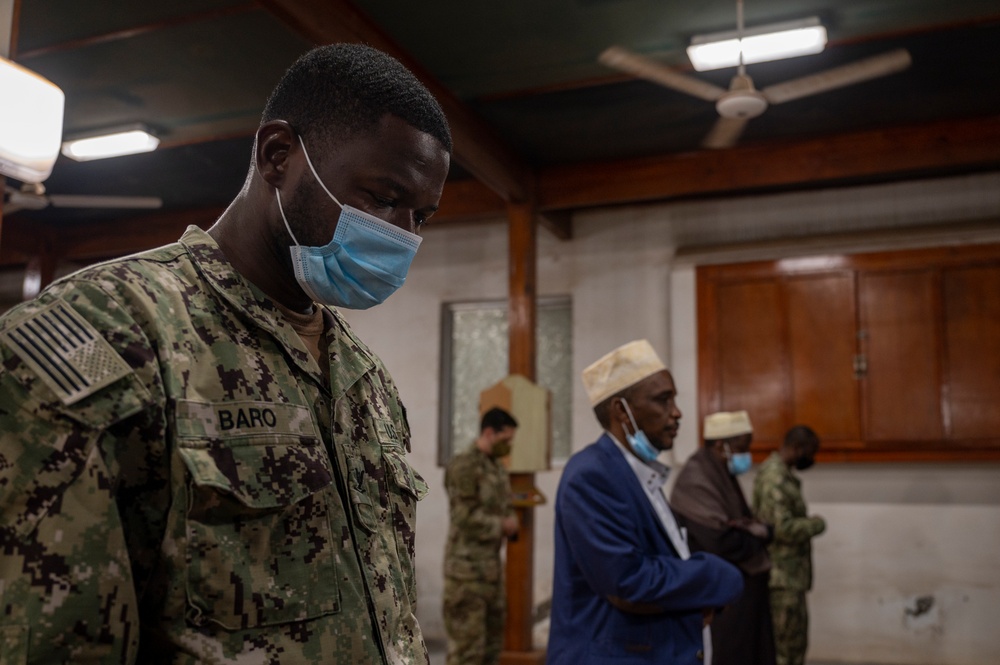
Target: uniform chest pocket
point(260, 548)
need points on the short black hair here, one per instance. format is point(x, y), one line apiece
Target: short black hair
point(344, 89)
point(800, 435)
point(496, 419)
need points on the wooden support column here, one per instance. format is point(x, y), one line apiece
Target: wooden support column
point(523, 234)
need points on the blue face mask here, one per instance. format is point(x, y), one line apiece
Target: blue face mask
point(364, 263)
point(639, 441)
point(738, 463)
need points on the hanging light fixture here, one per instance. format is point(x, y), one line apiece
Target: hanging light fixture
point(759, 44)
point(129, 140)
point(31, 122)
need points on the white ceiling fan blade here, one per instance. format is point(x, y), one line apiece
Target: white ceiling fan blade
point(725, 133)
point(642, 67)
point(75, 201)
point(10, 208)
point(856, 72)
point(18, 200)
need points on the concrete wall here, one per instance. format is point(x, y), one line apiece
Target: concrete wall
point(896, 532)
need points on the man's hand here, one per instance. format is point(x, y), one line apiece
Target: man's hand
point(753, 527)
point(510, 526)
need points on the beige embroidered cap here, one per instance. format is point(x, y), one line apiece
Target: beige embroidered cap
point(725, 424)
point(625, 366)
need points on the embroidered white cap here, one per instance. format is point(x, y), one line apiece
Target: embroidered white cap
point(725, 424)
point(625, 366)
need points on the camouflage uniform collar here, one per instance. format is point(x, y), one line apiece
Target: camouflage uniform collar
point(351, 357)
point(230, 284)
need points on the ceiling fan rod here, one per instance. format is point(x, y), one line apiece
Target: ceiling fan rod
point(741, 69)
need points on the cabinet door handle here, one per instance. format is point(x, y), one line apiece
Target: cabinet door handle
point(860, 366)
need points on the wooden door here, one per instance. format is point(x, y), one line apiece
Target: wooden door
point(823, 345)
point(972, 333)
point(889, 356)
point(899, 327)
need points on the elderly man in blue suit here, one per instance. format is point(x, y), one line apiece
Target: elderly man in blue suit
point(626, 588)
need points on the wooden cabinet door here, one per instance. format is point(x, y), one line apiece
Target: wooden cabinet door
point(781, 340)
point(822, 327)
point(899, 325)
point(785, 351)
point(972, 333)
point(752, 358)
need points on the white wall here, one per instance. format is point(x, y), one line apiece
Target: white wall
point(896, 531)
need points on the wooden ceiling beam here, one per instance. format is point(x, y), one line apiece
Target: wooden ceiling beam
point(465, 200)
point(895, 152)
point(94, 241)
point(899, 152)
point(138, 30)
point(892, 152)
point(477, 147)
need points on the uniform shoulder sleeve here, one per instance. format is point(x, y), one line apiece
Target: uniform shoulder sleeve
point(73, 366)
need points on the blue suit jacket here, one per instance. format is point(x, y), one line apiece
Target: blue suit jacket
point(611, 547)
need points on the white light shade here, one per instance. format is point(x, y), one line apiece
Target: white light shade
point(127, 142)
point(760, 44)
point(31, 121)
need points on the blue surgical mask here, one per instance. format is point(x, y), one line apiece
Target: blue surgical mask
point(364, 263)
point(639, 441)
point(738, 463)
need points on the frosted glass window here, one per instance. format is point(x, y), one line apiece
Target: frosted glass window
point(475, 356)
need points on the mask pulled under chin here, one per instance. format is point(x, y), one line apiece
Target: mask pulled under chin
point(638, 441)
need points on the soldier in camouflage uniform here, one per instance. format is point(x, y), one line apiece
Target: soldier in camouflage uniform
point(777, 500)
point(481, 517)
point(198, 464)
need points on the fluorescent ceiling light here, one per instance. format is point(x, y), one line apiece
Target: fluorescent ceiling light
point(126, 142)
point(760, 44)
point(31, 119)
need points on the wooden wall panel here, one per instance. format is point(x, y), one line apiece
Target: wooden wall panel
point(899, 324)
point(752, 352)
point(972, 331)
point(822, 329)
point(778, 338)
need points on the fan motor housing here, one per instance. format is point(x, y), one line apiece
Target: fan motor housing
point(741, 104)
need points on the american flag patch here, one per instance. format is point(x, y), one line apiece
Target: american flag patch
point(66, 352)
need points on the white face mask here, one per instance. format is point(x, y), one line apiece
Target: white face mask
point(364, 263)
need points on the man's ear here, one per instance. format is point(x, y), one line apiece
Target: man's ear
point(617, 412)
point(275, 141)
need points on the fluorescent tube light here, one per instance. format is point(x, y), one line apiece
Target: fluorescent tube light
point(760, 44)
point(128, 142)
point(31, 119)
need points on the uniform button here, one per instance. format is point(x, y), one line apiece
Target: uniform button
point(700, 654)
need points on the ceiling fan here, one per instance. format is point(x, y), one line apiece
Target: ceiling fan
point(33, 197)
point(742, 101)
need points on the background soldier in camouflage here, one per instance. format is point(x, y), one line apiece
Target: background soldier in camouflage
point(198, 464)
point(777, 500)
point(481, 517)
